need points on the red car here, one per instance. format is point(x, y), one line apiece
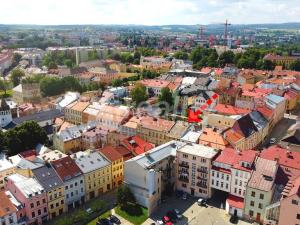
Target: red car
point(167, 220)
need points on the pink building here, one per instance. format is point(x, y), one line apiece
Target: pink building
point(32, 195)
point(289, 205)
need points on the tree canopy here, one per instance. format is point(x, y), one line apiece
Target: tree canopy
point(125, 196)
point(166, 96)
point(23, 137)
point(139, 93)
point(295, 65)
point(16, 76)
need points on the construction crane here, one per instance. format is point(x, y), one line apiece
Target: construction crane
point(226, 24)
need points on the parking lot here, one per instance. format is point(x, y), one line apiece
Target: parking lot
point(193, 214)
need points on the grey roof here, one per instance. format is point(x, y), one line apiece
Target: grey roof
point(150, 158)
point(258, 119)
point(275, 98)
point(47, 177)
point(39, 116)
point(192, 90)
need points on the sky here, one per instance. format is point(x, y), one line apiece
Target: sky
point(148, 12)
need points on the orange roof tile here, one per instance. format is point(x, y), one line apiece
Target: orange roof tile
point(6, 206)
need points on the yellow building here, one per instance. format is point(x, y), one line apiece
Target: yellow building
point(74, 112)
point(117, 164)
point(154, 130)
point(97, 172)
point(291, 98)
point(54, 188)
point(6, 169)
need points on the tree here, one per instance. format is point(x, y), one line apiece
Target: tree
point(226, 57)
point(68, 63)
point(139, 94)
point(52, 65)
point(181, 55)
point(116, 82)
point(16, 59)
point(16, 76)
point(166, 96)
point(267, 65)
point(125, 196)
point(295, 65)
point(4, 85)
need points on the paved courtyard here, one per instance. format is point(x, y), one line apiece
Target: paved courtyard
point(192, 213)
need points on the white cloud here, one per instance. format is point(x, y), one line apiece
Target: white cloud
point(154, 12)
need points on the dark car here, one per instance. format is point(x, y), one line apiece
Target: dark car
point(234, 219)
point(114, 219)
point(172, 215)
point(104, 222)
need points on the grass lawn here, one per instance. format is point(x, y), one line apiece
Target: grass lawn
point(8, 93)
point(135, 214)
point(104, 215)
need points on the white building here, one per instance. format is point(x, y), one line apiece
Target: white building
point(5, 114)
point(230, 173)
point(147, 174)
point(193, 169)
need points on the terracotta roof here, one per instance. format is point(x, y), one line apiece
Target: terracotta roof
point(6, 206)
point(66, 168)
point(233, 137)
point(283, 156)
point(233, 158)
point(155, 83)
point(230, 110)
point(235, 202)
point(268, 113)
point(137, 145)
point(80, 106)
point(211, 136)
point(124, 152)
point(157, 124)
point(289, 94)
point(111, 153)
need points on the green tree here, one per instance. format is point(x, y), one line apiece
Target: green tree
point(52, 65)
point(295, 65)
point(116, 82)
point(139, 93)
point(16, 76)
point(181, 55)
point(125, 196)
point(166, 96)
point(4, 85)
point(267, 65)
point(226, 57)
point(16, 59)
point(68, 63)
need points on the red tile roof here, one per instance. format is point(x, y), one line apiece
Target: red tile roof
point(137, 145)
point(268, 113)
point(124, 152)
point(235, 202)
point(6, 206)
point(111, 153)
point(289, 94)
point(230, 110)
point(283, 156)
point(233, 137)
point(155, 83)
point(233, 158)
point(66, 168)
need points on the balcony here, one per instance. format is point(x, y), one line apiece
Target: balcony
point(201, 178)
point(181, 172)
point(200, 170)
point(184, 164)
point(199, 184)
point(183, 179)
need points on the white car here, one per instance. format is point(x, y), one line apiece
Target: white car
point(184, 196)
point(159, 222)
point(178, 214)
point(201, 201)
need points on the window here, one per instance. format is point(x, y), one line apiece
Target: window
point(183, 185)
point(298, 216)
point(252, 203)
point(39, 212)
point(194, 157)
point(260, 206)
point(253, 194)
point(261, 196)
point(66, 187)
point(212, 182)
point(33, 214)
point(31, 205)
point(45, 210)
point(38, 203)
point(251, 213)
point(51, 206)
point(294, 202)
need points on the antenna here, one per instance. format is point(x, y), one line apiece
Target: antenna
point(226, 24)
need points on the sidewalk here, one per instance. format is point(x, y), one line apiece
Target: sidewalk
point(123, 221)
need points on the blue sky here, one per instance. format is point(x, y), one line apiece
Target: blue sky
point(148, 12)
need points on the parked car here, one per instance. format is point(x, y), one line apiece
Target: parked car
point(89, 211)
point(104, 221)
point(201, 202)
point(178, 214)
point(272, 141)
point(172, 215)
point(160, 222)
point(234, 219)
point(184, 196)
point(114, 219)
point(166, 219)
